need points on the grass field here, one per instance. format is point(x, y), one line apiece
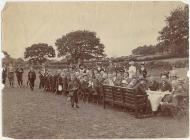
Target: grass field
point(38, 114)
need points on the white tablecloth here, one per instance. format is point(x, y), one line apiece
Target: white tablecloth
point(155, 98)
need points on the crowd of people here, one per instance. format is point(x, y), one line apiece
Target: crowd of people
point(85, 83)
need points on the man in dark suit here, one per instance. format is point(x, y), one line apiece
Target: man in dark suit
point(31, 78)
point(41, 77)
point(4, 74)
point(165, 85)
point(19, 72)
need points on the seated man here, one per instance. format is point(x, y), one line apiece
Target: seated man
point(118, 80)
point(139, 84)
point(172, 101)
point(126, 79)
point(153, 85)
point(164, 84)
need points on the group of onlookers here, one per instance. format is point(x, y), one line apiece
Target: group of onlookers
point(9, 72)
point(86, 83)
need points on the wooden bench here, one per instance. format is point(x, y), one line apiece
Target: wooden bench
point(127, 98)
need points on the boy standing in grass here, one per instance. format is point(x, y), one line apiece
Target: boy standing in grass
point(73, 87)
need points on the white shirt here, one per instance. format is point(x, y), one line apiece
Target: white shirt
point(132, 71)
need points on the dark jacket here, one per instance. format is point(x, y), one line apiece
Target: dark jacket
point(4, 73)
point(138, 86)
point(31, 76)
point(19, 72)
point(165, 86)
point(154, 85)
point(73, 86)
point(143, 72)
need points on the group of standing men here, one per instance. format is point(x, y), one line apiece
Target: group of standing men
point(10, 72)
point(73, 81)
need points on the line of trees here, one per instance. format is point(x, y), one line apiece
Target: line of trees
point(78, 46)
point(173, 38)
point(75, 46)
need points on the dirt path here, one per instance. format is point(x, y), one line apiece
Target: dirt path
point(37, 114)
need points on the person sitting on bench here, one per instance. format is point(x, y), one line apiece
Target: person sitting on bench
point(153, 85)
point(139, 85)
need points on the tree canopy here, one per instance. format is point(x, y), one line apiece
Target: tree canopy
point(175, 35)
point(80, 45)
point(173, 38)
point(39, 53)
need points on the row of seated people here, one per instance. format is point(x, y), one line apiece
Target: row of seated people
point(90, 83)
point(55, 81)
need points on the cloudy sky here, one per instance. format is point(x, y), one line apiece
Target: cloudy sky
point(121, 26)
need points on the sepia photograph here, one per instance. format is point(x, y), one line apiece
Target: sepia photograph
point(95, 70)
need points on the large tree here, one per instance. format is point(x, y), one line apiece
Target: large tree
point(39, 53)
point(80, 45)
point(175, 35)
